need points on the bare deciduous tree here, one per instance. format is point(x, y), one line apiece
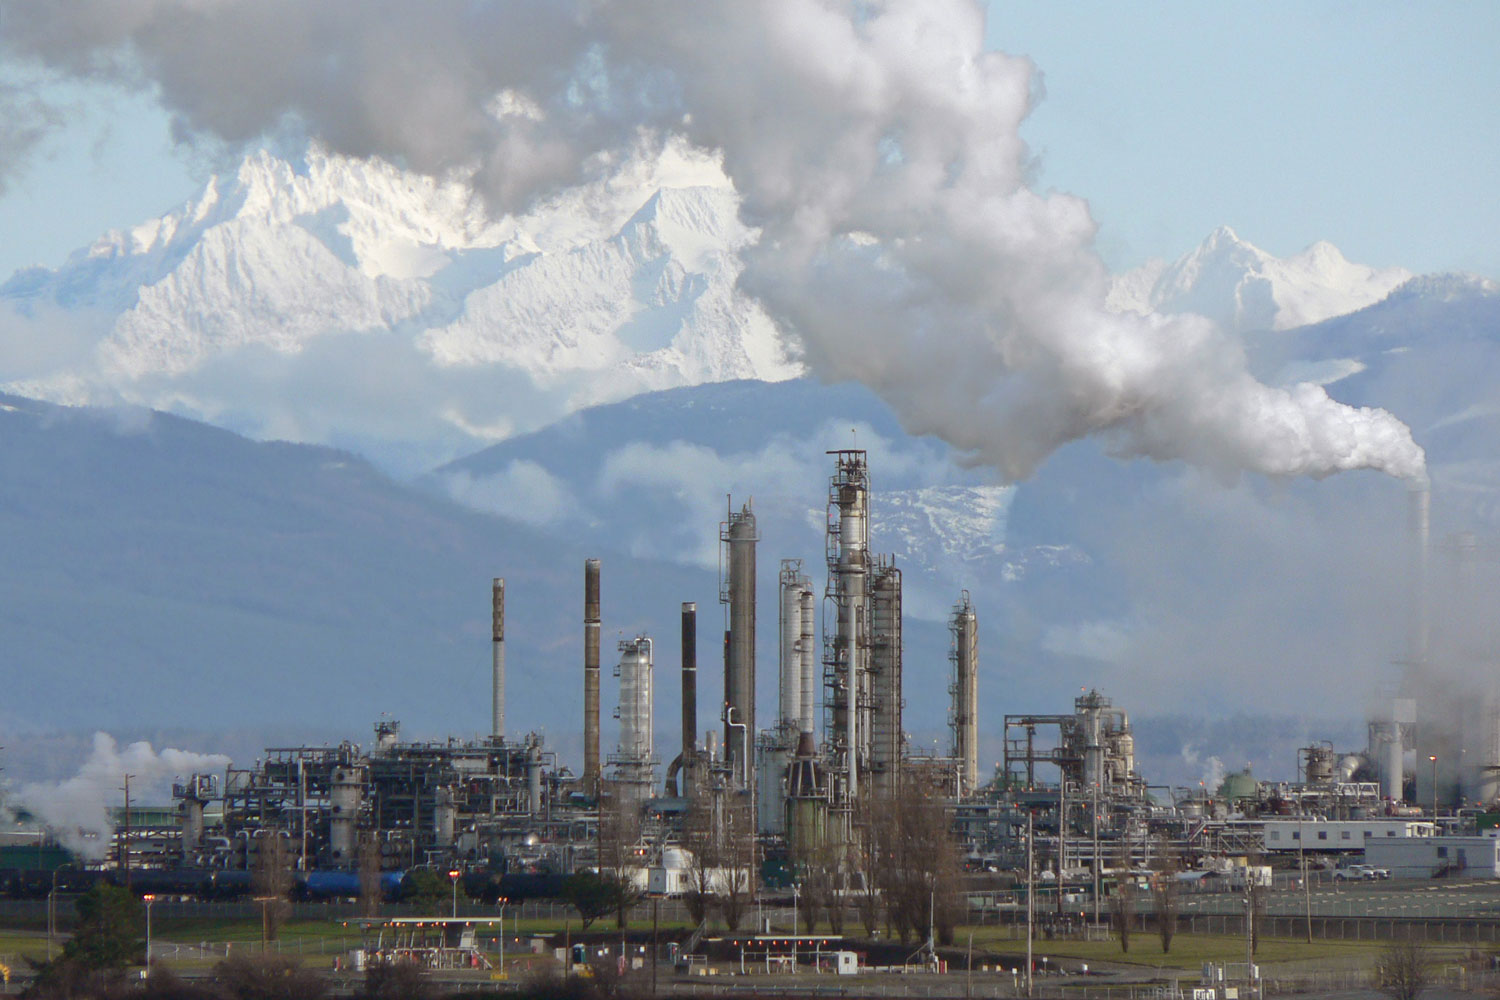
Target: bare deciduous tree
point(737, 875)
point(371, 893)
point(1403, 969)
point(271, 881)
point(619, 846)
point(1166, 892)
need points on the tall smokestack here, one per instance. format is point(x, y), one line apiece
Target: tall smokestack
point(591, 675)
point(689, 679)
point(1419, 512)
point(497, 680)
point(739, 537)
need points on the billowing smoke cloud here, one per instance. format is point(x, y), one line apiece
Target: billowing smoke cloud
point(76, 810)
point(876, 145)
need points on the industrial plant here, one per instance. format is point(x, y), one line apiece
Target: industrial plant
point(768, 793)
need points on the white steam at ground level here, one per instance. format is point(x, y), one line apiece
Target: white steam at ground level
point(875, 145)
point(76, 809)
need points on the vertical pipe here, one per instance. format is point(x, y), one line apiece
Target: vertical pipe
point(497, 689)
point(689, 680)
point(591, 676)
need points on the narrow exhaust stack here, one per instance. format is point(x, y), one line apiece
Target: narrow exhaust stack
point(591, 676)
point(738, 536)
point(497, 628)
point(1419, 514)
point(689, 679)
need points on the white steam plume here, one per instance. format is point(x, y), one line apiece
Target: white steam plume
point(876, 144)
point(76, 810)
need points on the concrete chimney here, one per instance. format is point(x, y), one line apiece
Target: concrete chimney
point(689, 679)
point(497, 680)
point(591, 676)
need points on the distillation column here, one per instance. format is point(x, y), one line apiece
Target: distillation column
point(845, 673)
point(737, 590)
point(796, 638)
point(963, 626)
point(591, 676)
point(886, 738)
point(634, 763)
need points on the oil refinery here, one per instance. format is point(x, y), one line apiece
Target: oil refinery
point(777, 789)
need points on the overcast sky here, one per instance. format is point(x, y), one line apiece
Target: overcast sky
point(1374, 126)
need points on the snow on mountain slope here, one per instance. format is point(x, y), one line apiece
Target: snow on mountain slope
point(1243, 288)
point(453, 326)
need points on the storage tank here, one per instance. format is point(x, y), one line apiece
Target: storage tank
point(1239, 786)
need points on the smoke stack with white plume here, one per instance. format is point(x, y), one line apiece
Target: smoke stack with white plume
point(76, 810)
point(876, 146)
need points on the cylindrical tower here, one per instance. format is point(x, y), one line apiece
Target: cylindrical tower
point(497, 629)
point(887, 740)
point(790, 650)
point(344, 794)
point(807, 651)
point(739, 536)
point(845, 673)
point(444, 815)
point(963, 625)
point(689, 680)
point(633, 763)
point(591, 676)
point(636, 723)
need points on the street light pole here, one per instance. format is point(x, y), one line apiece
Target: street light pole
point(149, 899)
point(453, 875)
point(502, 901)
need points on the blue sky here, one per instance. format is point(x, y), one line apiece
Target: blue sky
point(1375, 126)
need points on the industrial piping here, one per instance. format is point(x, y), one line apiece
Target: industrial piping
point(591, 676)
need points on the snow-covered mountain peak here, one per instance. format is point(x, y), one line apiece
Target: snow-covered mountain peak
point(1242, 287)
point(297, 272)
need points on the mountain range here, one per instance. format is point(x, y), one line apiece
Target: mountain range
point(267, 451)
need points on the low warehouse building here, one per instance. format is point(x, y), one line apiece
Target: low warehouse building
point(1430, 857)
